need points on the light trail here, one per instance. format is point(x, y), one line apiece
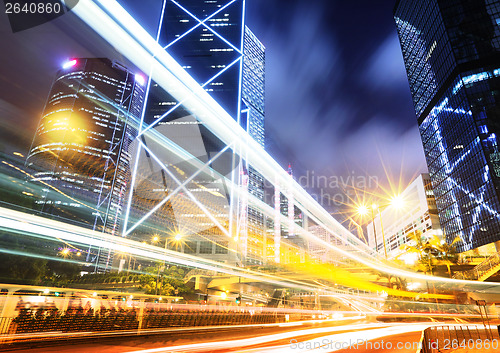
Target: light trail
point(116, 26)
point(123, 32)
point(38, 226)
point(31, 224)
point(348, 340)
point(369, 332)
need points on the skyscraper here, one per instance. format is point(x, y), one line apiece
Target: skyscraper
point(210, 41)
point(80, 153)
point(451, 50)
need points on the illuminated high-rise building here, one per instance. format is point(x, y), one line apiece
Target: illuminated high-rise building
point(80, 153)
point(451, 50)
point(210, 41)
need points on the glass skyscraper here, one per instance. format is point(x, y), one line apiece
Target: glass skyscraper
point(80, 155)
point(210, 41)
point(451, 50)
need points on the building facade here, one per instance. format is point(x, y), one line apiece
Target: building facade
point(451, 50)
point(324, 254)
point(418, 215)
point(210, 41)
point(80, 155)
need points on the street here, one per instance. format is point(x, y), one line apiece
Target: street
point(327, 337)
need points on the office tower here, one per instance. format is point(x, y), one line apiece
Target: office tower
point(321, 253)
point(451, 50)
point(417, 214)
point(293, 213)
point(80, 153)
point(210, 41)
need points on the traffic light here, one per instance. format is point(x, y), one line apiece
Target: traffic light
point(238, 299)
point(205, 298)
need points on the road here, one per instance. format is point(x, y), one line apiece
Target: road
point(325, 337)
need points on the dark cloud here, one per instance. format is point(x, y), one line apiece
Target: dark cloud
point(337, 94)
point(385, 68)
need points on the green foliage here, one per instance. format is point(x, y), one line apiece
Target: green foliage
point(162, 280)
point(394, 282)
point(432, 252)
point(59, 273)
point(27, 260)
point(21, 269)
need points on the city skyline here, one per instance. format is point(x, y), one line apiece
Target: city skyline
point(210, 169)
point(330, 123)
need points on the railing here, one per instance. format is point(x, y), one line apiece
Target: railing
point(112, 320)
point(50, 323)
point(468, 337)
point(5, 324)
point(481, 269)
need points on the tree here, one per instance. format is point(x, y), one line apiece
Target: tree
point(22, 269)
point(432, 252)
point(394, 282)
point(60, 272)
point(164, 281)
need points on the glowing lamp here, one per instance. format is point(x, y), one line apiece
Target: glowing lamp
point(397, 202)
point(140, 79)
point(363, 210)
point(69, 64)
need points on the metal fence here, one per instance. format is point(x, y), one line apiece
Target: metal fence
point(30, 322)
point(5, 325)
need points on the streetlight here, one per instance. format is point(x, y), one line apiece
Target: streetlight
point(363, 211)
point(395, 202)
point(177, 238)
point(375, 207)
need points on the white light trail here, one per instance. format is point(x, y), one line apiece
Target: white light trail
point(123, 32)
point(370, 331)
point(139, 47)
point(29, 224)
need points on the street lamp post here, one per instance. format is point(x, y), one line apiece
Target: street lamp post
point(374, 232)
point(363, 211)
point(396, 202)
point(381, 227)
point(177, 238)
point(155, 240)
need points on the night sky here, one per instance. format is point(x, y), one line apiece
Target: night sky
point(337, 97)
